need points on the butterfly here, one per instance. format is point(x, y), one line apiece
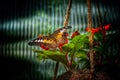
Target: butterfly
point(52, 41)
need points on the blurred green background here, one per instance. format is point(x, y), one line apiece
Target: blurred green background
point(23, 20)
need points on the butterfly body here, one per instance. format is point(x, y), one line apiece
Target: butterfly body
point(57, 39)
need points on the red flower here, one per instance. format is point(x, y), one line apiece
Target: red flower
point(103, 31)
point(75, 34)
point(94, 30)
point(99, 28)
point(106, 27)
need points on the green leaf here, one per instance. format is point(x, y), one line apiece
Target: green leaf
point(53, 55)
point(86, 63)
point(98, 36)
point(81, 41)
point(68, 47)
point(81, 57)
point(99, 48)
point(40, 56)
point(74, 64)
point(81, 54)
point(79, 38)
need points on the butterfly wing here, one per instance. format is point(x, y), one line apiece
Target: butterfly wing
point(54, 40)
point(60, 36)
point(44, 42)
point(36, 42)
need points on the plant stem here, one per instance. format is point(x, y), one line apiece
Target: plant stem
point(67, 16)
point(56, 70)
point(100, 20)
point(68, 64)
point(90, 40)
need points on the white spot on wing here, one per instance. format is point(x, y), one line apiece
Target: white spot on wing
point(36, 40)
point(41, 40)
point(62, 30)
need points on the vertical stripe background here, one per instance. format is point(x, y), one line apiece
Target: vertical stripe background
point(35, 17)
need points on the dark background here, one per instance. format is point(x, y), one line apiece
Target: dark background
point(17, 61)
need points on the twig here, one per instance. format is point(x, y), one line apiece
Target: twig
point(56, 70)
point(67, 16)
point(68, 63)
point(100, 20)
point(90, 39)
point(99, 13)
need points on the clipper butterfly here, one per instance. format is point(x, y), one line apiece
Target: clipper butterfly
point(57, 39)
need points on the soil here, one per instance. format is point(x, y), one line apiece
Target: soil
point(83, 75)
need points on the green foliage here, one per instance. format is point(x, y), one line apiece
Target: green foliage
point(77, 43)
point(68, 47)
point(76, 52)
point(77, 49)
point(98, 36)
point(81, 54)
point(51, 54)
point(72, 54)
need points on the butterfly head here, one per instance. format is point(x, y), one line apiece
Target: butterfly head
point(64, 29)
point(67, 27)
